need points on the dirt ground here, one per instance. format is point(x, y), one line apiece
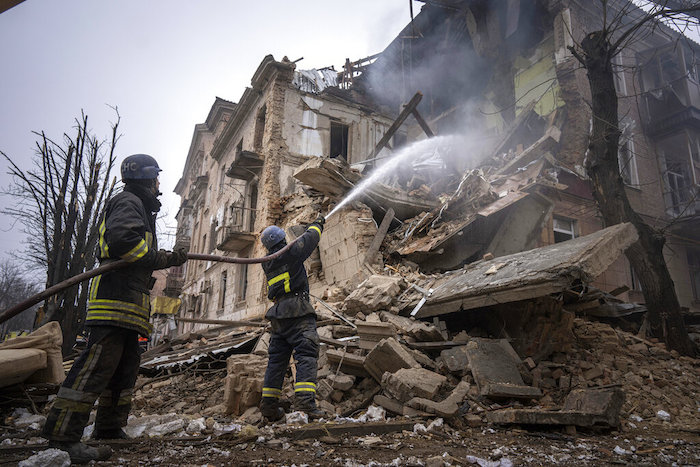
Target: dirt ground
point(650, 443)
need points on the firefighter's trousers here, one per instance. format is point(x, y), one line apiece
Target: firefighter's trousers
point(297, 335)
point(106, 369)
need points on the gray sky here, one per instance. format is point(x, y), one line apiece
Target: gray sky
point(162, 63)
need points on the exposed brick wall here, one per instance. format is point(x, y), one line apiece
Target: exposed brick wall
point(344, 243)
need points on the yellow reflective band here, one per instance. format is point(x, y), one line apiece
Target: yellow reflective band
point(104, 248)
point(76, 396)
point(94, 286)
point(137, 252)
point(117, 305)
point(271, 392)
point(305, 383)
point(313, 227)
point(65, 404)
point(149, 239)
point(282, 277)
point(304, 389)
point(116, 316)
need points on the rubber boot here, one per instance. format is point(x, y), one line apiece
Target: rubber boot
point(307, 403)
point(271, 409)
point(82, 453)
point(117, 433)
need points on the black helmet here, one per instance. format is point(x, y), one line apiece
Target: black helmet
point(139, 167)
point(271, 236)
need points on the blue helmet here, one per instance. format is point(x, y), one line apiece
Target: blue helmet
point(139, 167)
point(271, 236)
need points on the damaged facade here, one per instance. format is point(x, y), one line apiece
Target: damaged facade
point(238, 179)
point(453, 294)
point(508, 99)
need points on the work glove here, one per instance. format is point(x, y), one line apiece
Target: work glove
point(319, 222)
point(162, 260)
point(165, 259)
point(178, 257)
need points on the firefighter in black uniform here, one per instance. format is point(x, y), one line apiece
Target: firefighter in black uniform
point(118, 312)
point(293, 322)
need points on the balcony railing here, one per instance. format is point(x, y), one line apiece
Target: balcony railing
point(675, 105)
point(199, 185)
point(174, 284)
point(246, 166)
point(233, 238)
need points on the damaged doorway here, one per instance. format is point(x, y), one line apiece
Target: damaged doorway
point(339, 140)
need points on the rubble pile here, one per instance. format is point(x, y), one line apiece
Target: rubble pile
point(413, 369)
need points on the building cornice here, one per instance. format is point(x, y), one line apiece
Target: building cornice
point(265, 73)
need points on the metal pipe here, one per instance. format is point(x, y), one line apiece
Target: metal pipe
point(53, 290)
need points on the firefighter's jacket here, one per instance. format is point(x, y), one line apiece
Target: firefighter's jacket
point(122, 297)
point(287, 282)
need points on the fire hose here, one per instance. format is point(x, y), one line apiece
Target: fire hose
point(119, 264)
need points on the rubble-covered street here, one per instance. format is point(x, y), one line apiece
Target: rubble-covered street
point(185, 414)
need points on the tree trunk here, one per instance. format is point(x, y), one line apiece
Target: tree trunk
point(646, 255)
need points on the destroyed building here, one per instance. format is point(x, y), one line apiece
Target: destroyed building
point(453, 292)
point(508, 99)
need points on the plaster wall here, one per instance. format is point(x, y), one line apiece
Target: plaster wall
point(308, 124)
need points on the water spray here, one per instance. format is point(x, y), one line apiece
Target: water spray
point(404, 155)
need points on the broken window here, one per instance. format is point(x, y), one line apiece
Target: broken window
point(259, 130)
point(564, 229)
point(222, 292)
point(677, 193)
point(627, 162)
point(222, 180)
point(339, 140)
point(619, 75)
point(677, 155)
point(242, 282)
point(253, 206)
point(212, 235)
point(694, 269)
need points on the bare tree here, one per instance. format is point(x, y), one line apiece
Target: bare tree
point(14, 288)
point(623, 22)
point(59, 203)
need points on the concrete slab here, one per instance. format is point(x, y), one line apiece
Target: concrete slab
point(596, 407)
point(408, 383)
point(456, 359)
point(529, 274)
point(446, 408)
point(494, 365)
point(388, 355)
point(350, 364)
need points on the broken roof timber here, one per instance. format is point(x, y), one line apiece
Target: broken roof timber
point(529, 274)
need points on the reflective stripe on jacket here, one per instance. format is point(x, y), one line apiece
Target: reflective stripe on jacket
point(287, 279)
point(122, 298)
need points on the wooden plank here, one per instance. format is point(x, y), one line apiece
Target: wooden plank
point(407, 110)
point(423, 124)
point(379, 236)
point(318, 430)
point(224, 322)
point(433, 346)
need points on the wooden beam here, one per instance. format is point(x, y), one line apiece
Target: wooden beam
point(379, 236)
point(407, 110)
point(423, 124)
point(224, 322)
